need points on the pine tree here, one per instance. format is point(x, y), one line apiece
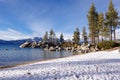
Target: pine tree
point(101, 25)
point(51, 32)
point(61, 38)
point(105, 32)
point(112, 19)
point(52, 36)
point(92, 19)
point(45, 38)
point(84, 35)
point(76, 36)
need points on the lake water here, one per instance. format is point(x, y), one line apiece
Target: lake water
point(12, 54)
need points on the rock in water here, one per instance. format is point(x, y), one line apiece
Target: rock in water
point(24, 45)
point(34, 44)
point(51, 49)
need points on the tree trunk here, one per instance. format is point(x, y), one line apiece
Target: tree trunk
point(102, 38)
point(98, 34)
point(93, 39)
point(111, 34)
point(92, 36)
point(98, 38)
point(114, 35)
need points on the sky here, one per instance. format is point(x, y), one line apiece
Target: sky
point(21, 19)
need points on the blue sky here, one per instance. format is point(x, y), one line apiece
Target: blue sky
point(29, 18)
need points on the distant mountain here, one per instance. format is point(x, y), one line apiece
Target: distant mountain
point(2, 42)
point(37, 39)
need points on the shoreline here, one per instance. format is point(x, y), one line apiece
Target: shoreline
point(40, 61)
point(91, 66)
point(32, 62)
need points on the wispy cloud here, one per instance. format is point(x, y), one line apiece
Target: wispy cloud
point(11, 34)
point(39, 27)
point(39, 16)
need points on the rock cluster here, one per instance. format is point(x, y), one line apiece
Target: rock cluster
point(49, 47)
point(45, 46)
point(53, 48)
point(84, 48)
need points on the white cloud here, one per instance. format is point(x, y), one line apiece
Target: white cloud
point(11, 34)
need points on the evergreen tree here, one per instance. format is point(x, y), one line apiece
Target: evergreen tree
point(52, 36)
point(105, 32)
point(76, 36)
point(84, 35)
point(101, 26)
point(112, 19)
point(92, 19)
point(51, 32)
point(45, 38)
point(61, 38)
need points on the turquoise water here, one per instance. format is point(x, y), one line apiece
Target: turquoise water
point(12, 54)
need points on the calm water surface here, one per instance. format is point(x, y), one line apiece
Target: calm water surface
point(12, 54)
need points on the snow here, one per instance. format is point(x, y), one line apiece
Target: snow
point(102, 65)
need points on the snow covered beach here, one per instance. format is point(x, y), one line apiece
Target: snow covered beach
point(103, 65)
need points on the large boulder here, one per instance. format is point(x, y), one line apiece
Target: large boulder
point(85, 48)
point(34, 44)
point(39, 44)
point(58, 48)
point(24, 45)
point(78, 47)
point(92, 49)
point(72, 49)
point(46, 49)
point(96, 48)
point(52, 49)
